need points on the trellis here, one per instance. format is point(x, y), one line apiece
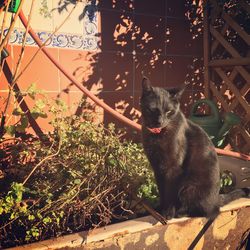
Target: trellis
point(227, 62)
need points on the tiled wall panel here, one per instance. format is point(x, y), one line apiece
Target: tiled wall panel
point(107, 46)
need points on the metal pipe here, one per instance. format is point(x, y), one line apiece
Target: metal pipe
point(74, 81)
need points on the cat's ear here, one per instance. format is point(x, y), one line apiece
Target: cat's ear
point(176, 92)
point(146, 84)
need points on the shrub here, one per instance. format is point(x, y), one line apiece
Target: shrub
point(82, 178)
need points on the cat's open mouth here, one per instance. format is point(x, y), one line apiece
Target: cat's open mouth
point(155, 130)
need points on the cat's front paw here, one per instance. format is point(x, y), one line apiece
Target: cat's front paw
point(168, 213)
point(181, 212)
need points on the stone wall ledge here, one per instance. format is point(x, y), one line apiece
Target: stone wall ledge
point(148, 233)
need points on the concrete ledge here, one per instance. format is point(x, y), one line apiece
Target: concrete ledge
point(147, 233)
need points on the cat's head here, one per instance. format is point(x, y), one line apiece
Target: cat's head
point(159, 106)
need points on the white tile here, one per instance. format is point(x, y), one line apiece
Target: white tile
point(39, 22)
point(75, 23)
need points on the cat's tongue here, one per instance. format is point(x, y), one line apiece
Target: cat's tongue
point(155, 130)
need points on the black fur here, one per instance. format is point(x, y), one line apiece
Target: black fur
point(182, 156)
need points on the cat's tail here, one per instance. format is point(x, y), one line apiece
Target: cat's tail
point(224, 199)
point(236, 194)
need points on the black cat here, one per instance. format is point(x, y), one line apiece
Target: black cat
point(182, 156)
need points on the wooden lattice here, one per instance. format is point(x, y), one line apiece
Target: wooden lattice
point(227, 62)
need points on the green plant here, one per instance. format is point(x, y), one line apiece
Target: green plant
point(226, 181)
point(84, 178)
point(17, 114)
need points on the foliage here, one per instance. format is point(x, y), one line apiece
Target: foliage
point(194, 13)
point(226, 181)
point(21, 124)
point(82, 179)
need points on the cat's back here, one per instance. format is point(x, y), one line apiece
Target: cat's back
point(200, 147)
point(196, 134)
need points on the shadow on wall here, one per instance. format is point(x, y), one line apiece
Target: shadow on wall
point(164, 41)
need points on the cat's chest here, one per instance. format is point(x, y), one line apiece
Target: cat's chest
point(162, 142)
point(164, 154)
point(159, 140)
point(165, 145)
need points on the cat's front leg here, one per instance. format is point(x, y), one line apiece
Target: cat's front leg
point(181, 212)
point(167, 199)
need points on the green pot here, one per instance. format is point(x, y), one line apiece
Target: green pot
point(211, 122)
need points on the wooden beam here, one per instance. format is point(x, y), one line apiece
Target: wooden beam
point(245, 135)
point(216, 10)
point(224, 42)
point(237, 64)
point(246, 119)
point(225, 87)
point(245, 5)
point(230, 21)
point(243, 73)
point(236, 27)
point(243, 92)
point(206, 49)
point(230, 62)
point(216, 42)
point(219, 97)
point(236, 92)
point(231, 50)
